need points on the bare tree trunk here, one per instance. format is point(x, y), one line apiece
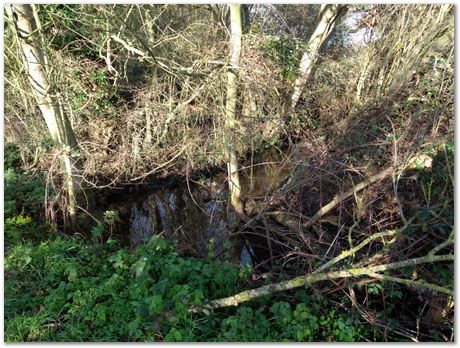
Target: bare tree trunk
point(150, 26)
point(33, 57)
point(362, 78)
point(327, 19)
point(230, 109)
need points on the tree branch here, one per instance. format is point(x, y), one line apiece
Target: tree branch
point(309, 279)
point(449, 241)
point(413, 283)
point(339, 198)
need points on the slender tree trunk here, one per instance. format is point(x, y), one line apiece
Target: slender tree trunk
point(362, 78)
point(34, 59)
point(230, 109)
point(150, 27)
point(327, 19)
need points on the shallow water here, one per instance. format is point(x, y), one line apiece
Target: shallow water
point(195, 214)
point(190, 217)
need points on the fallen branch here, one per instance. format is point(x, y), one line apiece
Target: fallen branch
point(291, 222)
point(309, 279)
point(339, 198)
point(295, 223)
point(418, 161)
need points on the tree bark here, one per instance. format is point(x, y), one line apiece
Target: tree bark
point(327, 19)
point(230, 110)
point(25, 28)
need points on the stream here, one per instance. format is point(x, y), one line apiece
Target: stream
point(195, 213)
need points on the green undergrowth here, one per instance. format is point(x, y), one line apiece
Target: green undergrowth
point(24, 194)
point(58, 288)
point(63, 290)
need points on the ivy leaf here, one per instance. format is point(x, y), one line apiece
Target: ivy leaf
point(156, 305)
point(174, 335)
point(73, 274)
point(139, 266)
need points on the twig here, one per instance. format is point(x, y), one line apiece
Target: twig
point(88, 213)
point(173, 113)
point(128, 47)
point(161, 165)
point(449, 241)
point(333, 242)
point(352, 251)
